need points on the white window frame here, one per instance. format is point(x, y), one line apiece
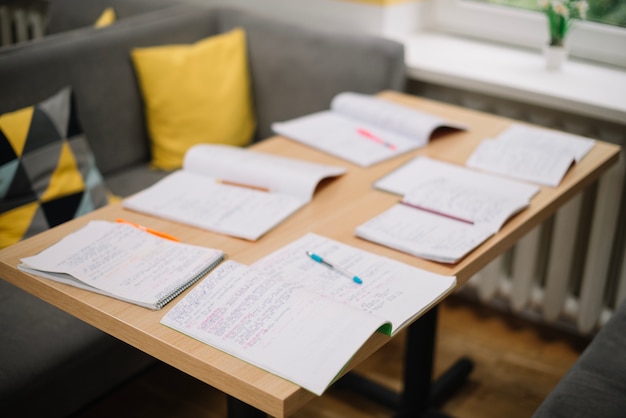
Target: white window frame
point(523, 28)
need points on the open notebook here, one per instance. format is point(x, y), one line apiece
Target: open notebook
point(364, 129)
point(233, 191)
point(123, 262)
point(446, 210)
point(300, 319)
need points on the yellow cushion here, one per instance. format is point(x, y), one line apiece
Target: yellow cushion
point(198, 93)
point(106, 18)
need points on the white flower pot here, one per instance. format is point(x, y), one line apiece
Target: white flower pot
point(555, 57)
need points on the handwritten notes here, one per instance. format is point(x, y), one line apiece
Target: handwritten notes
point(364, 129)
point(446, 210)
point(299, 320)
point(124, 262)
point(189, 198)
point(219, 189)
point(532, 154)
point(393, 289)
point(468, 202)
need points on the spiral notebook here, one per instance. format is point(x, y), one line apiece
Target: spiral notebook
point(123, 262)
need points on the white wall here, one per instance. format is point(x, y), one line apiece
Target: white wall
point(337, 15)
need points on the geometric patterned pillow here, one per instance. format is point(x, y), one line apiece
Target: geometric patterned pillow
point(48, 174)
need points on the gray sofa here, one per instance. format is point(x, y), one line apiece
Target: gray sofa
point(595, 386)
point(52, 364)
point(67, 15)
point(22, 21)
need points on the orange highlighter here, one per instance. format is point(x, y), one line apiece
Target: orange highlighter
point(149, 230)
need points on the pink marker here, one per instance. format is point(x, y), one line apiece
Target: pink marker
point(456, 218)
point(367, 134)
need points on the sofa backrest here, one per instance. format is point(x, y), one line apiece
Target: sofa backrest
point(98, 67)
point(65, 15)
point(294, 71)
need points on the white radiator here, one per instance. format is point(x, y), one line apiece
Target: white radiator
point(22, 20)
point(569, 271)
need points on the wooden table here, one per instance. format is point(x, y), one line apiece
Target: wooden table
point(338, 207)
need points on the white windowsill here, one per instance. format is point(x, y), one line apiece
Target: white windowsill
point(516, 74)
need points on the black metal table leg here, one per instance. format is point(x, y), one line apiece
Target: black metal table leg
point(420, 394)
point(418, 365)
point(239, 409)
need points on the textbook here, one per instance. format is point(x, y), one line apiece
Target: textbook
point(124, 262)
point(233, 191)
point(446, 210)
point(300, 313)
point(364, 129)
point(529, 153)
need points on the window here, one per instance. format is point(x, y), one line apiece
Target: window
point(524, 26)
point(608, 12)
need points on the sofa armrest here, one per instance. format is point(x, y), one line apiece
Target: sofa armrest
point(595, 386)
point(52, 364)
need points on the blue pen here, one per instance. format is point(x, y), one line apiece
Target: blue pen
point(315, 257)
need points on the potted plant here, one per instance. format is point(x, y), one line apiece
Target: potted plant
point(560, 14)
